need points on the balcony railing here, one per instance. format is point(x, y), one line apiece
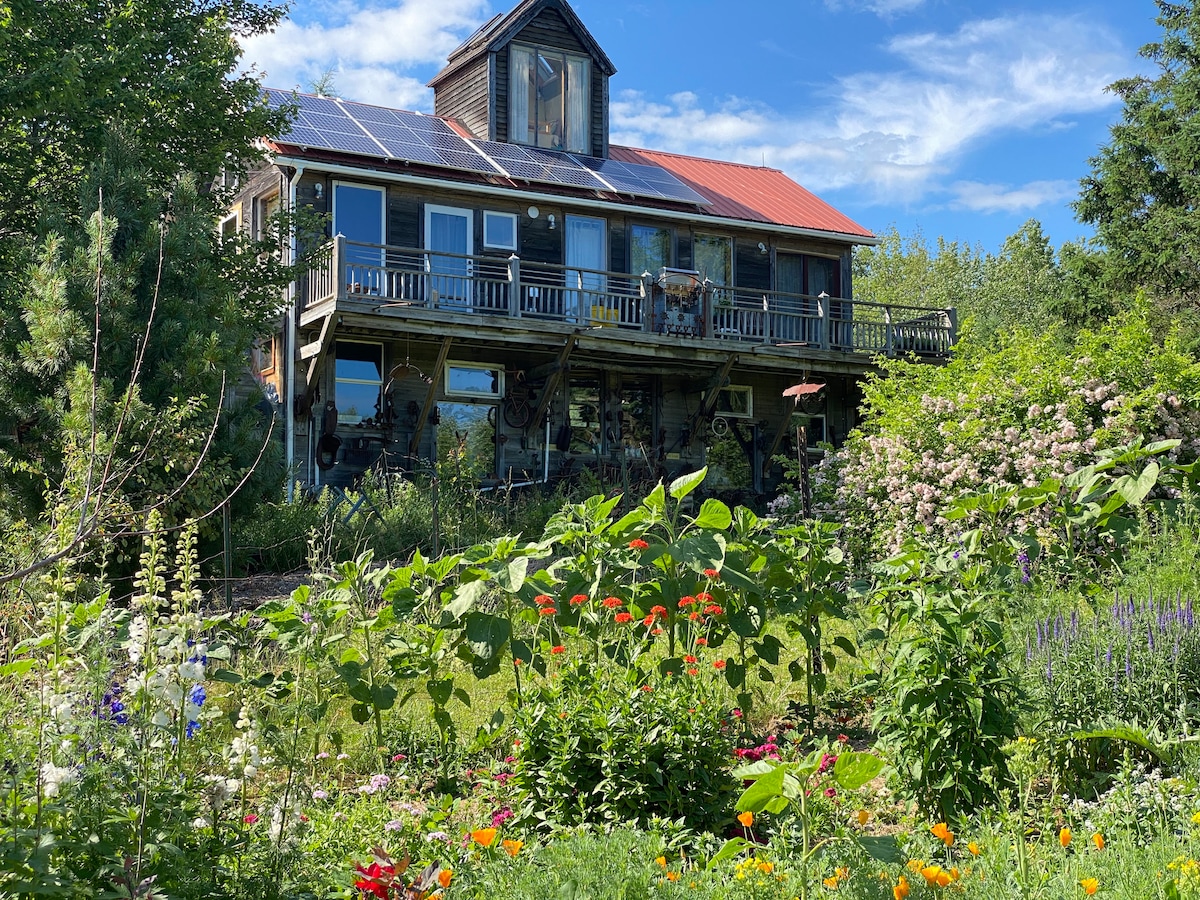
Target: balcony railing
point(399, 277)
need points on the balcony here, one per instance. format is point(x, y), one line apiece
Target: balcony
point(398, 278)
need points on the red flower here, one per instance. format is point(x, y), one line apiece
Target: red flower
point(719, 664)
point(250, 819)
point(658, 611)
point(612, 603)
point(690, 659)
point(647, 688)
point(516, 661)
point(649, 620)
point(547, 611)
point(376, 879)
point(622, 617)
point(686, 601)
point(693, 671)
point(713, 610)
point(713, 574)
point(543, 600)
point(558, 649)
point(694, 616)
point(704, 597)
point(702, 642)
point(658, 631)
point(638, 544)
point(579, 600)
point(843, 739)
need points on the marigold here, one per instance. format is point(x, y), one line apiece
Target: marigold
point(746, 818)
point(1098, 840)
point(512, 848)
point(719, 664)
point(612, 603)
point(557, 649)
point(547, 611)
point(579, 600)
point(944, 834)
point(622, 617)
point(1064, 836)
point(484, 837)
point(638, 544)
point(445, 876)
point(672, 876)
point(1090, 886)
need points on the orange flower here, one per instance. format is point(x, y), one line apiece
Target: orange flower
point(713, 574)
point(579, 600)
point(661, 860)
point(649, 620)
point(701, 642)
point(900, 891)
point(863, 817)
point(1064, 836)
point(1098, 840)
point(484, 837)
point(445, 876)
point(638, 544)
point(543, 600)
point(672, 876)
point(612, 603)
point(1090, 886)
point(974, 848)
point(693, 671)
point(713, 610)
point(944, 834)
point(512, 848)
point(690, 660)
point(719, 664)
point(746, 818)
point(831, 883)
point(558, 649)
point(547, 611)
point(686, 601)
point(622, 617)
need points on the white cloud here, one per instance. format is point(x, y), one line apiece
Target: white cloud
point(369, 50)
point(989, 198)
point(898, 131)
point(884, 8)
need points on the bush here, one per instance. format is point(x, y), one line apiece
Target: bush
point(596, 747)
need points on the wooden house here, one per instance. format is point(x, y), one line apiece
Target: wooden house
point(504, 289)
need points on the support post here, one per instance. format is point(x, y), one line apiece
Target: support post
point(890, 339)
point(434, 380)
point(647, 302)
point(339, 266)
point(514, 286)
point(824, 310)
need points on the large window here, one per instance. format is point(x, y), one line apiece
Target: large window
point(713, 258)
point(358, 373)
point(550, 99)
point(649, 249)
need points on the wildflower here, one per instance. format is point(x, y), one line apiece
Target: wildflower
point(746, 818)
point(394, 825)
point(659, 611)
point(830, 791)
point(703, 642)
point(1089, 885)
point(686, 601)
point(399, 757)
point(713, 610)
point(250, 818)
point(863, 817)
point(638, 544)
point(719, 664)
point(704, 597)
point(973, 848)
point(901, 889)
point(1064, 836)
point(712, 574)
point(649, 620)
point(622, 617)
point(512, 848)
point(444, 877)
point(693, 671)
point(691, 660)
point(661, 860)
point(646, 688)
point(765, 866)
point(54, 777)
point(343, 756)
point(579, 600)
point(843, 739)
point(557, 649)
point(484, 837)
point(319, 794)
point(612, 603)
point(1098, 840)
point(543, 600)
point(672, 876)
point(547, 611)
point(944, 834)
point(517, 661)
point(831, 883)
point(502, 815)
point(377, 878)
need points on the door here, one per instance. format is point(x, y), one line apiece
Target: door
point(794, 318)
point(449, 234)
point(358, 212)
point(585, 295)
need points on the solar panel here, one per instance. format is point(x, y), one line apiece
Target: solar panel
point(362, 129)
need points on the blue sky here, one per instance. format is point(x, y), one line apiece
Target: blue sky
point(952, 117)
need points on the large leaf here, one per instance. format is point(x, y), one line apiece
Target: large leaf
point(1134, 490)
point(685, 484)
point(853, 769)
point(746, 622)
point(714, 514)
point(700, 550)
point(765, 789)
point(729, 850)
point(1131, 735)
point(883, 848)
point(486, 634)
point(465, 597)
point(511, 577)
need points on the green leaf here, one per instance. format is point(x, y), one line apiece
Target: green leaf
point(746, 622)
point(700, 550)
point(729, 850)
point(465, 597)
point(853, 769)
point(846, 645)
point(360, 713)
point(511, 577)
point(486, 634)
point(440, 690)
point(765, 789)
point(883, 848)
point(713, 514)
point(685, 484)
point(1134, 490)
point(1132, 735)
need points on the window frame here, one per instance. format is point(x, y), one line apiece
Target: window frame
point(748, 391)
point(731, 279)
point(584, 144)
point(481, 367)
point(493, 245)
point(672, 243)
point(337, 380)
point(234, 216)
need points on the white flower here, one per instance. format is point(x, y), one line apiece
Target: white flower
point(191, 671)
point(161, 719)
point(55, 777)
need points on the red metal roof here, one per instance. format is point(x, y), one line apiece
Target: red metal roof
point(753, 193)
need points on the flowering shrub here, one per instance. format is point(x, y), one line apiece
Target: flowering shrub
point(1027, 408)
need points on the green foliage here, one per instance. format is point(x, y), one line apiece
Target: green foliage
point(606, 749)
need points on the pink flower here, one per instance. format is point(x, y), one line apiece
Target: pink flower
point(250, 819)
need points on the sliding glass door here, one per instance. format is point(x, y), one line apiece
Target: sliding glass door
point(449, 234)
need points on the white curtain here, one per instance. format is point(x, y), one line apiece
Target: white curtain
point(585, 249)
point(520, 77)
point(579, 101)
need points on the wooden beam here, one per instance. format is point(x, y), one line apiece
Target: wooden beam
point(434, 380)
point(544, 371)
point(783, 427)
point(552, 381)
point(310, 350)
point(719, 380)
point(317, 362)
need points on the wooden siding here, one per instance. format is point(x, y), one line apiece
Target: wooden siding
point(404, 218)
point(464, 96)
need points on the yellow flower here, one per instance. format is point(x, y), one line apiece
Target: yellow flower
point(484, 837)
point(944, 834)
point(900, 891)
point(931, 874)
point(1089, 885)
point(765, 867)
point(746, 818)
point(916, 865)
point(444, 877)
point(1098, 840)
point(661, 860)
point(672, 876)
point(842, 872)
point(863, 817)
point(831, 882)
point(1196, 819)
point(974, 848)
point(512, 848)
point(1064, 836)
